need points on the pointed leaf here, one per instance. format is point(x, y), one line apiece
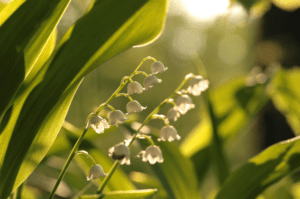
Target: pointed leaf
point(22, 39)
point(258, 173)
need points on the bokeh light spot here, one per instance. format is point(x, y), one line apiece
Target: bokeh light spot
point(232, 49)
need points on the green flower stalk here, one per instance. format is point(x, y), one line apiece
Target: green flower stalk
point(99, 122)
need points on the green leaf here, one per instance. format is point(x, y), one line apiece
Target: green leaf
point(266, 168)
point(22, 38)
point(177, 173)
point(136, 194)
point(6, 10)
point(109, 28)
point(285, 94)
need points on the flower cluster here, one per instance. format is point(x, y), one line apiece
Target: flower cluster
point(121, 152)
point(180, 106)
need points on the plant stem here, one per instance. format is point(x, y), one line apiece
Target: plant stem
point(148, 118)
point(70, 158)
point(100, 108)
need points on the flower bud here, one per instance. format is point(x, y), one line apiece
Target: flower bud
point(134, 87)
point(134, 107)
point(168, 133)
point(152, 154)
point(98, 124)
point(158, 67)
point(197, 85)
point(95, 172)
point(150, 81)
point(116, 117)
point(184, 103)
point(121, 153)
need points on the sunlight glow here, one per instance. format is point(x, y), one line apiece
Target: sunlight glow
point(206, 10)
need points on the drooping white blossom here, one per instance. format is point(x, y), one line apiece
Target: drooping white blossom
point(173, 114)
point(184, 103)
point(134, 87)
point(116, 117)
point(134, 107)
point(150, 81)
point(121, 153)
point(98, 124)
point(152, 154)
point(197, 85)
point(168, 133)
point(158, 67)
point(95, 172)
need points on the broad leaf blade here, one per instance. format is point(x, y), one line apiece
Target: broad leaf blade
point(135, 194)
point(6, 10)
point(22, 39)
point(263, 170)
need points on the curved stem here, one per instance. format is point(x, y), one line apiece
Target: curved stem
point(161, 117)
point(142, 72)
point(125, 95)
point(87, 154)
point(148, 138)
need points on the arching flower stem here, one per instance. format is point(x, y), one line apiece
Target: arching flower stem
point(141, 72)
point(148, 138)
point(87, 154)
point(161, 117)
point(171, 101)
point(125, 95)
point(100, 108)
point(136, 135)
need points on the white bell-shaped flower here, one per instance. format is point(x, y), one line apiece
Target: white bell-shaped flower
point(121, 153)
point(173, 114)
point(95, 172)
point(150, 81)
point(168, 133)
point(197, 85)
point(134, 87)
point(184, 103)
point(98, 124)
point(152, 154)
point(116, 117)
point(158, 67)
point(134, 107)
